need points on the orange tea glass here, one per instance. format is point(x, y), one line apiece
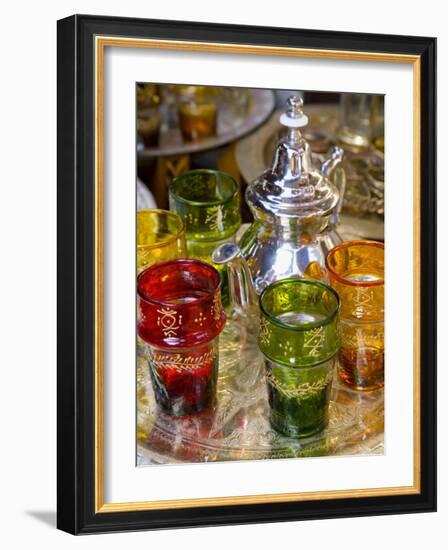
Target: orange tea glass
point(356, 271)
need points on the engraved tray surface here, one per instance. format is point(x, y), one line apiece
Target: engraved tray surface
point(238, 427)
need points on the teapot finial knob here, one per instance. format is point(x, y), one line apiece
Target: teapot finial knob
point(295, 104)
point(294, 116)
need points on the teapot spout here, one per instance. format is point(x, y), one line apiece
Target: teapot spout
point(243, 298)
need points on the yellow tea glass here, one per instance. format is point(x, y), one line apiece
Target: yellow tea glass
point(356, 271)
point(160, 237)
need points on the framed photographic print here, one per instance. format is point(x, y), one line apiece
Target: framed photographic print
point(246, 274)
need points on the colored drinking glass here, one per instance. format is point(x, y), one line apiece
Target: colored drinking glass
point(197, 119)
point(361, 120)
point(356, 271)
point(299, 338)
point(160, 237)
point(148, 113)
point(209, 203)
point(197, 111)
point(180, 317)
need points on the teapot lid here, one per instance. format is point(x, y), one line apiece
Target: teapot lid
point(293, 188)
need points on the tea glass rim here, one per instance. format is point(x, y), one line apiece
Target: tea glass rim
point(305, 326)
point(348, 244)
point(204, 203)
point(171, 238)
point(163, 265)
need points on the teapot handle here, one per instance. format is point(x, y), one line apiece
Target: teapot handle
point(330, 169)
point(340, 180)
point(243, 298)
point(334, 158)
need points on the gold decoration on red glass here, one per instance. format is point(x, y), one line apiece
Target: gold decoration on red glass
point(169, 321)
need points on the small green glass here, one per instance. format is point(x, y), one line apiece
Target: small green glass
point(299, 338)
point(209, 203)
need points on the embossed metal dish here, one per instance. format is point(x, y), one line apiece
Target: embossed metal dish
point(238, 428)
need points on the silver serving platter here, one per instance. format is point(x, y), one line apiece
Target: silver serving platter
point(229, 127)
point(254, 153)
point(238, 427)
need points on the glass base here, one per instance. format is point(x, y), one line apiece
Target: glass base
point(353, 139)
point(280, 424)
point(355, 387)
point(362, 369)
point(184, 379)
point(185, 411)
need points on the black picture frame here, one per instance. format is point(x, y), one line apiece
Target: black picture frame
point(76, 254)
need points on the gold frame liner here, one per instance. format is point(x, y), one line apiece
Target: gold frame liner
point(101, 42)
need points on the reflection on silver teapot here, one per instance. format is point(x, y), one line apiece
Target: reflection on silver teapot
point(296, 208)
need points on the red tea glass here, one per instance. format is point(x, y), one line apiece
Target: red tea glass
point(180, 318)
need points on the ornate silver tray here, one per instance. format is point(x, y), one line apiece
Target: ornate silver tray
point(238, 428)
point(229, 127)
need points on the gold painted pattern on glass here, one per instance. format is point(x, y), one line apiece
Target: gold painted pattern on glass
point(170, 321)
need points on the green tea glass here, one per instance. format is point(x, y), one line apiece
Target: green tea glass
point(299, 338)
point(209, 203)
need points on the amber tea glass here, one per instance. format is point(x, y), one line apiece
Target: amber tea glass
point(356, 271)
point(197, 120)
point(198, 112)
point(160, 237)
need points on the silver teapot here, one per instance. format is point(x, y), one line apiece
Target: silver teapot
point(296, 208)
